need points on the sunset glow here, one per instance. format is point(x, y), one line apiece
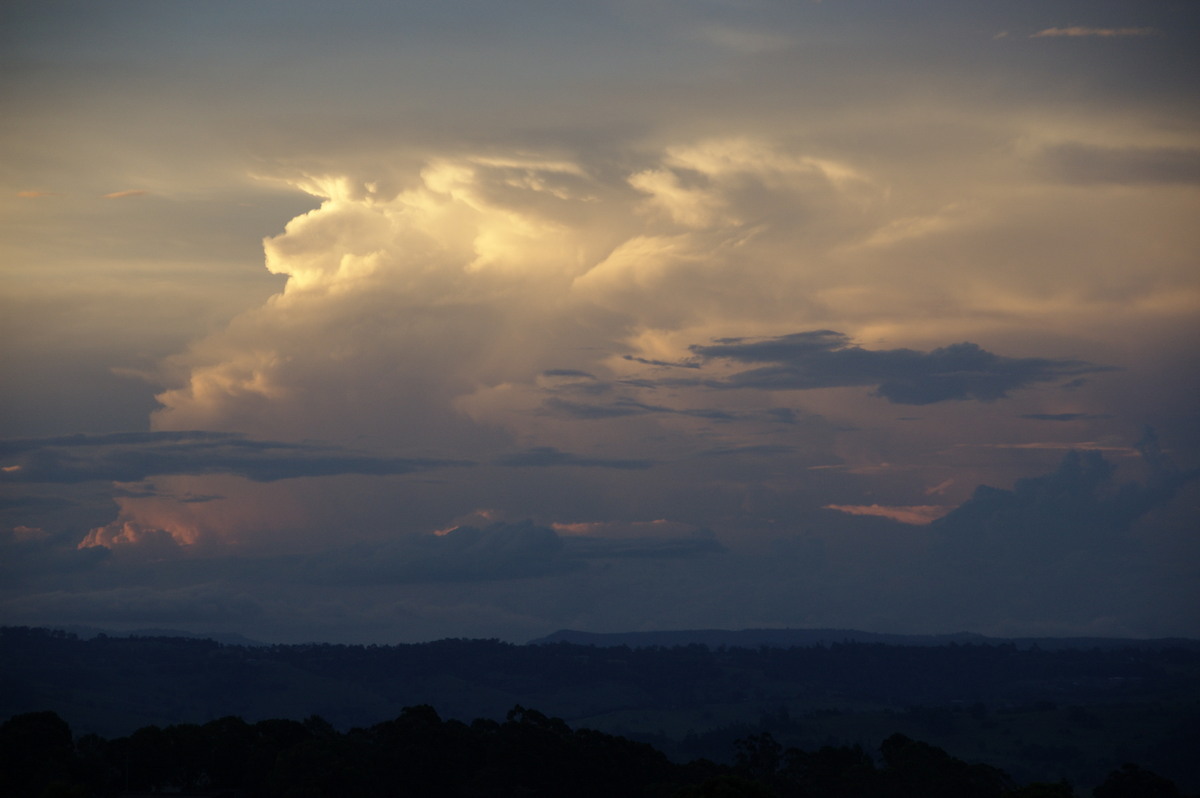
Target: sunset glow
point(728, 313)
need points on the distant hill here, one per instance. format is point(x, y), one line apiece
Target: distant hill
point(1042, 709)
point(789, 638)
point(227, 638)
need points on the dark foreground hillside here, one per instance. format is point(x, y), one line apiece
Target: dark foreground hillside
point(528, 754)
point(1039, 715)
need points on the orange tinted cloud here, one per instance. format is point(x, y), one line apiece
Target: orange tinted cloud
point(915, 514)
point(660, 528)
point(133, 192)
point(939, 488)
point(130, 533)
point(36, 194)
point(29, 533)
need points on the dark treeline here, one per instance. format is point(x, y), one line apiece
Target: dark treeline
point(663, 677)
point(1040, 715)
point(528, 754)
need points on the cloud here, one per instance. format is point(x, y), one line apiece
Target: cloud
point(201, 499)
point(133, 192)
point(755, 450)
point(1072, 549)
point(742, 40)
point(497, 265)
point(568, 373)
point(1077, 508)
point(660, 539)
point(1086, 164)
point(34, 502)
point(499, 551)
point(685, 364)
point(1065, 416)
point(131, 457)
point(629, 407)
point(643, 547)
point(26, 556)
point(625, 530)
point(147, 541)
point(37, 194)
point(828, 359)
point(1075, 31)
point(400, 303)
point(203, 603)
point(502, 551)
point(911, 514)
point(548, 456)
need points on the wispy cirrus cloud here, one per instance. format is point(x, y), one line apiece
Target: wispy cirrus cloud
point(1078, 31)
point(132, 192)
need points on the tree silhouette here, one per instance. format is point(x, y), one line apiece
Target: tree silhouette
point(1132, 781)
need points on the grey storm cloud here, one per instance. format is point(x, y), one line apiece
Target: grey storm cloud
point(1079, 495)
point(1078, 506)
point(829, 359)
point(130, 457)
point(23, 561)
point(1062, 549)
point(1062, 545)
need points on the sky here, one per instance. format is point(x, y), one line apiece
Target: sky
point(400, 321)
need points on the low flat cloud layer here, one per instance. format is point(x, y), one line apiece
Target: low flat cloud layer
point(130, 457)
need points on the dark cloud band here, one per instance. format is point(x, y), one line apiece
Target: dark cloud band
point(829, 359)
point(130, 457)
